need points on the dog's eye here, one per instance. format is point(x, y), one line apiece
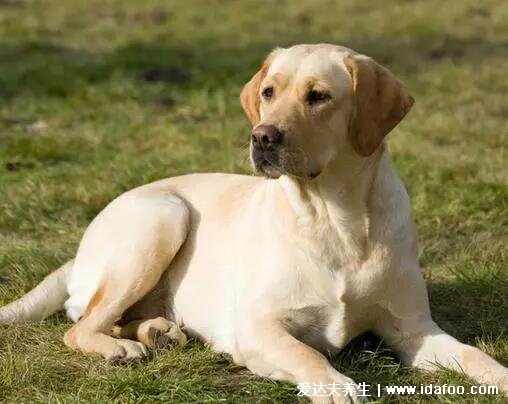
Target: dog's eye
point(314, 97)
point(267, 93)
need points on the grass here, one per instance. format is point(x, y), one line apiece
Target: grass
point(97, 97)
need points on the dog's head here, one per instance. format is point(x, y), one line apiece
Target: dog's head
point(309, 104)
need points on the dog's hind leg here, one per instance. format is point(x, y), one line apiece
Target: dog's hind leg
point(133, 240)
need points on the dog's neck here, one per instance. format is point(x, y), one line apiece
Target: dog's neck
point(346, 182)
point(337, 200)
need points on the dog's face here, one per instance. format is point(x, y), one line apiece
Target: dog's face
point(309, 104)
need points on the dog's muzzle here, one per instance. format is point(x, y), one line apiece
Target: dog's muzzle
point(266, 142)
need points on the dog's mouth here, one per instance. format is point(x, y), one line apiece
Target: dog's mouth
point(269, 171)
point(267, 165)
point(273, 164)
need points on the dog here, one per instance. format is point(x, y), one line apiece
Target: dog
point(273, 269)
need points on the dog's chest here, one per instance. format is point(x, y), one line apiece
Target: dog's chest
point(329, 328)
point(336, 288)
point(340, 257)
point(333, 308)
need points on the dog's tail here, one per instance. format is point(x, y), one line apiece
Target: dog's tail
point(45, 299)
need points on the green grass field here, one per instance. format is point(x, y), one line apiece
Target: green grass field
point(97, 97)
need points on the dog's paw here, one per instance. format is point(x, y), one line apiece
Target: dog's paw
point(127, 351)
point(160, 333)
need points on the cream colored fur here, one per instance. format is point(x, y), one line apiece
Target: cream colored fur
point(276, 270)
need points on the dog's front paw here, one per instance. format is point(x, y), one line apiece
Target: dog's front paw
point(126, 351)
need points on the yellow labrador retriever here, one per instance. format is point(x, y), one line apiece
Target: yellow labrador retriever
point(273, 269)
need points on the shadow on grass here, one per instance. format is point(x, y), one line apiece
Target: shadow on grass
point(471, 310)
point(48, 69)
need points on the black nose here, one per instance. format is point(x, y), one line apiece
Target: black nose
point(266, 135)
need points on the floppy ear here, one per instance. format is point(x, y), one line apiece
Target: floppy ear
point(249, 97)
point(381, 101)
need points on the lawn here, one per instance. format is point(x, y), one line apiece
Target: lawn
point(97, 97)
